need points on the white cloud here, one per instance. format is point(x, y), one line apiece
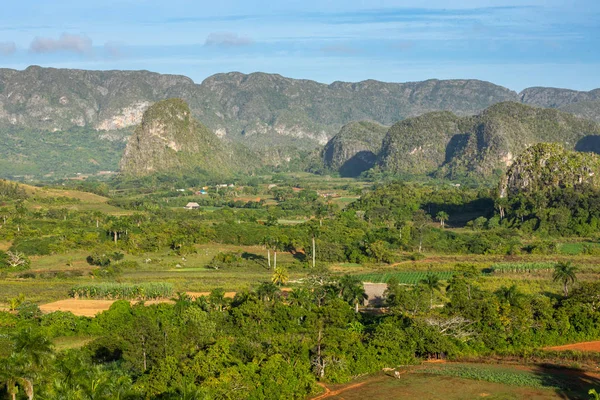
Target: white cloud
point(79, 44)
point(7, 48)
point(227, 39)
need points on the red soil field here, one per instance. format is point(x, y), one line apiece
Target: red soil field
point(583, 346)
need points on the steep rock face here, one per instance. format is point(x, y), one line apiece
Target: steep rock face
point(58, 99)
point(546, 165)
point(422, 144)
point(482, 145)
point(355, 148)
point(169, 139)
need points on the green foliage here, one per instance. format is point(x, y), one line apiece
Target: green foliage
point(404, 277)
point(193, 147)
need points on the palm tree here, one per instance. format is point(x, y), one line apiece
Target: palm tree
point(216, 298)
point(314, 232)
point(267, 291)
point(300, 297)
point(508, 294)
point(31, 350)
point(276, 244)
point(280, 276)
point(351, 289)
point(266, 242)
point(442, 216)
point(432, 282)
point(565, 273)
point(320, 212)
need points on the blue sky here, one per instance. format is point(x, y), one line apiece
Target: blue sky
point(512, 43)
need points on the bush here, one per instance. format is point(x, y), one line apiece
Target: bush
point(225, 259)
point(35, 246)
point(103, 259)
point(28, 310)
point(416, 256)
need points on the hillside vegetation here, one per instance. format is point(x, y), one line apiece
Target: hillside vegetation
point(170, 140)
point(355, 148)
point(479, 146)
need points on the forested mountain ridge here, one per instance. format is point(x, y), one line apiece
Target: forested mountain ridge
point(482, 145)
point(274, 116)
point(254, 108)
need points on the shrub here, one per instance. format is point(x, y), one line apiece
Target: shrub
point(28, 310)
point(416, 256)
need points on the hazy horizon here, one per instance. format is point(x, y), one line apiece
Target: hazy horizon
point(509, 43)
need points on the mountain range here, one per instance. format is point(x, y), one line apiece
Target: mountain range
point(274, 116)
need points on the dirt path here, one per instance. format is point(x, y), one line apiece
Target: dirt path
point(330, 393)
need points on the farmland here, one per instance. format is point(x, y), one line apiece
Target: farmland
point(460, 381)
point(277, 280)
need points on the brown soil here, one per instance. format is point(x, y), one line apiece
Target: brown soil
point(90, 308)
point(583, 346)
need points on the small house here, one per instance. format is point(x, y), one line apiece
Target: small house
point(192, 206)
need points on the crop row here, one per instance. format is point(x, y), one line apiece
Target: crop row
point(406, 277)
point(126, 291)
point(495, 375)
point(521, 267)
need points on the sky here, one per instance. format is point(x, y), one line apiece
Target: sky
point(514, 43)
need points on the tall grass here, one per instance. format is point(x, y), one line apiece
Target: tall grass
point(523, 267)
point(126, 291)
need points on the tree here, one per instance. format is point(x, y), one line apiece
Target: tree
point(267, 291)
point(17, 260)
point(320, 213)
point(378, 250)
point(469, 273)
point(31, 351)
point(116, 227)
point(442, 216)
point(432, 282)
point(511, 294)
point(314, 232)
point(565, 273)
point(266, 241)
point(352, 290)
point(280, 276)
point(276, 244)
point(421, 220)
point(216, 298)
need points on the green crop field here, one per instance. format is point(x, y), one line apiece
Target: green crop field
point(405, 277)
